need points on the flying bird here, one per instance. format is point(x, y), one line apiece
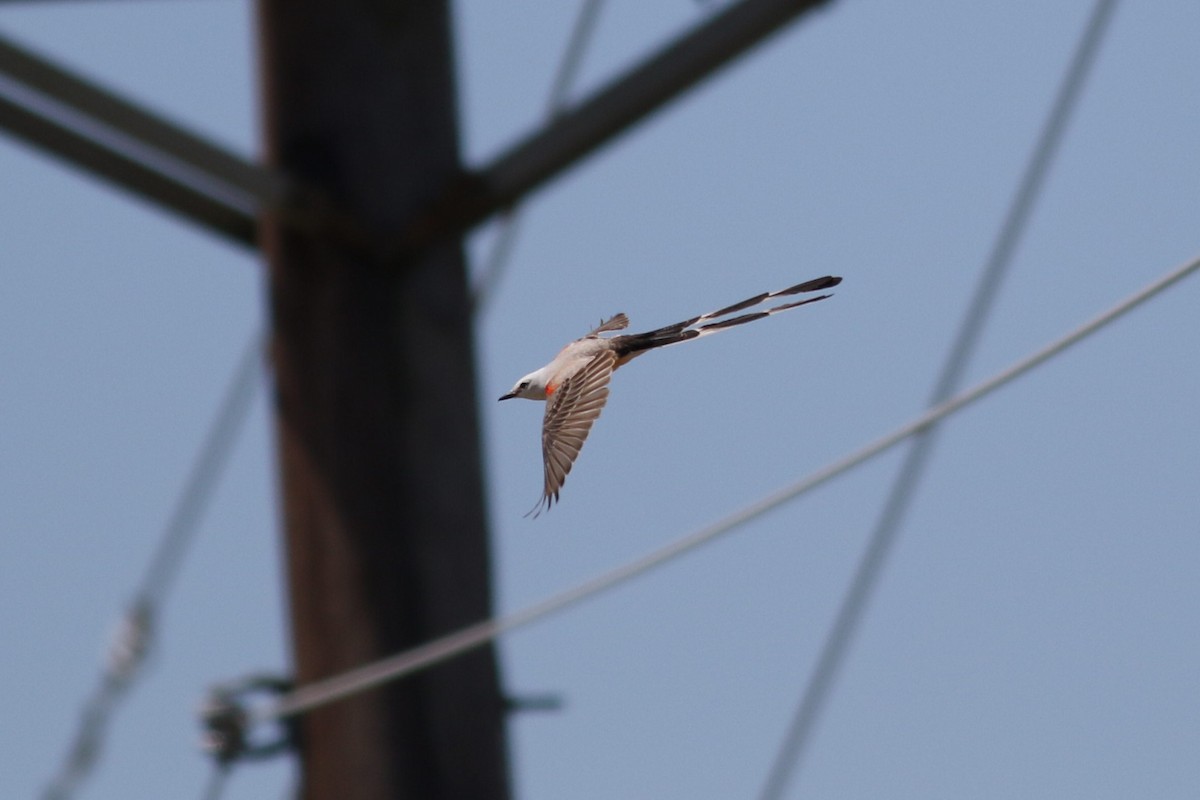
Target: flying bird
point(575, 384)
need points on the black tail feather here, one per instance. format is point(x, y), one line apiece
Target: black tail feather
point(633, 344)
point(816, 284)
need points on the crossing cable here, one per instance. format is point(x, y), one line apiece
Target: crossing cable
point(369, 676)
point(135, 632)
point(873, 560)
point(509, 219)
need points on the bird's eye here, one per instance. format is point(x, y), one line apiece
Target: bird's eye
point(524, 385)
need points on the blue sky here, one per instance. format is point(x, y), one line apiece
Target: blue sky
point(1035, 634)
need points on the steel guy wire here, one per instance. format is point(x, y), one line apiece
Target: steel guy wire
point(210, 462)
point(508, 222)
point(874, 558)
point(568, 68)
point(322, 692)
point(135, 630)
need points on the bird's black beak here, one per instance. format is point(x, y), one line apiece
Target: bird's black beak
point(508, 396)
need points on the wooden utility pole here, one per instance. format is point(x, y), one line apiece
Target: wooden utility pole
point(375, 402)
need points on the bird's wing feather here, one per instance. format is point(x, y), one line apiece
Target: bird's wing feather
point(616, 323)
point(570, 412)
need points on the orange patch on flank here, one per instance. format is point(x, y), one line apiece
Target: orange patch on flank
point(551, 388)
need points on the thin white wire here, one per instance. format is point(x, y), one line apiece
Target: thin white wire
point(323, 692)
point(489, 276)
point(134, 638)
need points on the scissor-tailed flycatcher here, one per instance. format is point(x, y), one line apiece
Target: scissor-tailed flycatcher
point(576, 382)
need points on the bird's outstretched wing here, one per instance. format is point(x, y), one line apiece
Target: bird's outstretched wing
point(570, 412)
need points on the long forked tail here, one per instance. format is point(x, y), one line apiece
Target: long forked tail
point(635, 343)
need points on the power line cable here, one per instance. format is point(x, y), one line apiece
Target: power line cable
point(206, 470)
point(326, 691)
point(572, 60)
point(874, 558)
point(135, 631)
point(509, 220)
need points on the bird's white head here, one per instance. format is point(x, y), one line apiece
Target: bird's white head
point(531, 387)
